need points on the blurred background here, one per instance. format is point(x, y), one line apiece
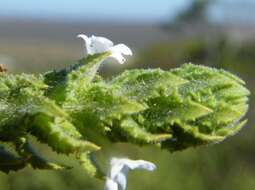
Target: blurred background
point(36, 36)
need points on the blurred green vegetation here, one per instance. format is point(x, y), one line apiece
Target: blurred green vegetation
point(195, 12)
point(229, 165)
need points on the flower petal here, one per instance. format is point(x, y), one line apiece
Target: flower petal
point(115, 170)
point(139, 164)
point(121, 180)
point(87, 42)
point(121, 48)
point(118, 57)
point(103, 40)
point(100, 44)
point(110, 185)
point(119, 171)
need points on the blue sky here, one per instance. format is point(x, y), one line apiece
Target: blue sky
point(122, 10)
point(145, 10)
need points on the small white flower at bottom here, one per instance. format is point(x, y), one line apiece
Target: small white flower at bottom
point(98, 44)
point(117, 175)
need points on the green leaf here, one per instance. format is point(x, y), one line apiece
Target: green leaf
point(10, 162)
point(89, 164)
point(71, 109)
point(61, 135)
point(37, 161)
point(137, 134)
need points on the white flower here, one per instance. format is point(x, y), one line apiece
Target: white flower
point(117, 175)
point(97, 44)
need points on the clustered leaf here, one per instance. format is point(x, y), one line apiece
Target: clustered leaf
point(73, 109)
